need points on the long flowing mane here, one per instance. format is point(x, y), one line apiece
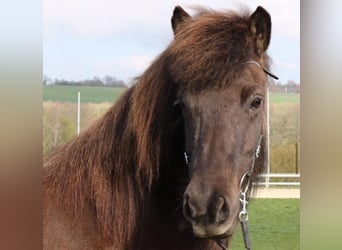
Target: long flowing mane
point(115, 163)
point(136, 149)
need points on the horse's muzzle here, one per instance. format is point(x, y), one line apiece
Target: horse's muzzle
point(207, 213)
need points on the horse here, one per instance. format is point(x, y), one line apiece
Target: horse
point(163, 168)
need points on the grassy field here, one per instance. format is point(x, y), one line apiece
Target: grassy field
point(273, 225)
point(107, 94)
point(277, 98)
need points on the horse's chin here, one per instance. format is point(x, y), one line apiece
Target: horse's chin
point(213, 232)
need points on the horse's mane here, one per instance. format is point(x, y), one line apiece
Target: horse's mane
point(113, 166)
point(115, 163)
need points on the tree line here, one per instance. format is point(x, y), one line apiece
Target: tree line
point(111, 81)
point(106, 81)
point(289, 87)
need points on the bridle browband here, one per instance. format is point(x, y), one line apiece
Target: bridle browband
point(263, 68)
point(244, 181)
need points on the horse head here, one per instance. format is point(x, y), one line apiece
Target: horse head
point(219, 62)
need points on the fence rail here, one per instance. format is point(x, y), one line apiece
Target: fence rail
point(268, 183)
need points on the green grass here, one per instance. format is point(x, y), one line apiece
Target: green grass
point(277, 98)
point(273, 225)
point(88, 94)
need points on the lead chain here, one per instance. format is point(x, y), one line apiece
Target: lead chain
point(243, 217)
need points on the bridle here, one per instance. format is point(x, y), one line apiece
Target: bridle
point(244, 181)
point(263, 68)
point(244, 197)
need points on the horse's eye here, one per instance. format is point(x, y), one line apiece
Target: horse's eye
point(256, 103)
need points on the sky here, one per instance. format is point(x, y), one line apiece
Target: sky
point(87, 38)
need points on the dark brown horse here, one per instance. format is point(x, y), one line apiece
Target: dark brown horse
point(125, 183)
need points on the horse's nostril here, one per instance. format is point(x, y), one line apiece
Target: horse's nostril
point(211, 210)
point(220, 203)
point(186, 209)
point(189, 208)
point(221, 209)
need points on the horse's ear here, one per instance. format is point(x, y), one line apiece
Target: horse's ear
point(178, 18)
point(260, 26)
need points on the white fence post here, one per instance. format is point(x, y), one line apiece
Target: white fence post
point(78, 112)
point(267, 179)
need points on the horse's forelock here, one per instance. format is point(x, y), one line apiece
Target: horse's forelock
point(215, 44)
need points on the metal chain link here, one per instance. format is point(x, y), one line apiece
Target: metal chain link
point(243, 215)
